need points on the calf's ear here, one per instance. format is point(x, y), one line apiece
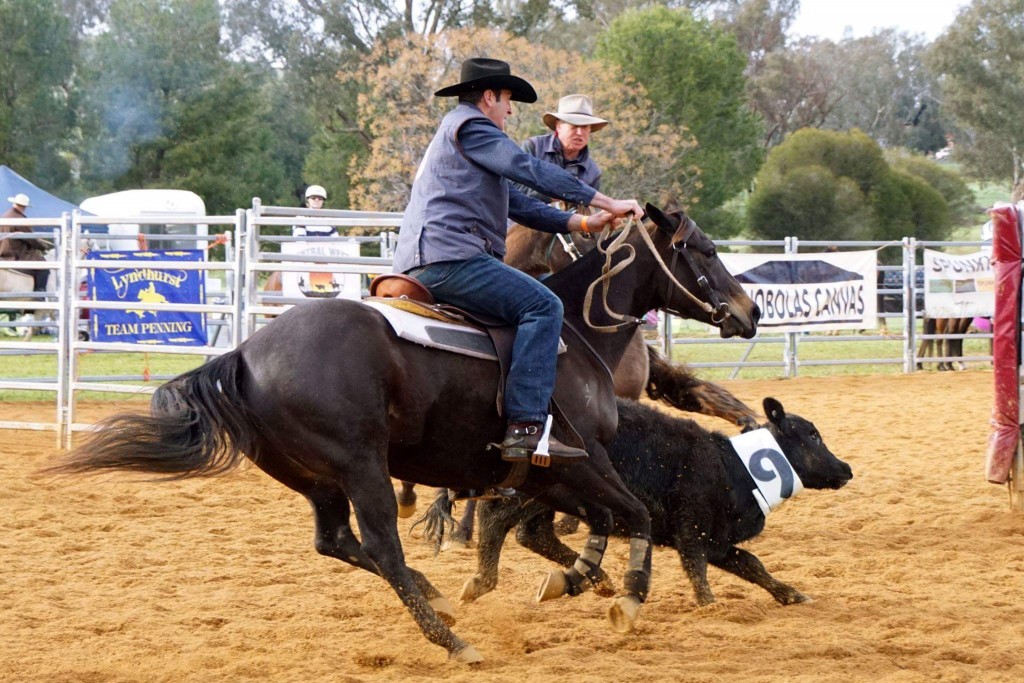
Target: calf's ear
point(773, 410)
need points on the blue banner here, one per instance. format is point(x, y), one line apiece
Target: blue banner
point(148, 285)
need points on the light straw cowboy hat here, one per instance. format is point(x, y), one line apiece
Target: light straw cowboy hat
point(577, 110)
point(21, 199)
point(481, 73)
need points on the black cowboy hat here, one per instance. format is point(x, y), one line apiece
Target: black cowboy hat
point(481, 73)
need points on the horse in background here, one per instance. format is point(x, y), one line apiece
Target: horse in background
point(943, 348)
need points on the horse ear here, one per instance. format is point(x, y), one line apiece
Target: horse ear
point(664, 223)
point(774, 411)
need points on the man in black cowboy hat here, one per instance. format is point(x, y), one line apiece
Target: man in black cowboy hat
point(452, 237)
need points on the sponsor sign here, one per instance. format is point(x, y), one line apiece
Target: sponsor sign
point(833, 291)
point(147, 285)
point(319, 285)
point(958, 286)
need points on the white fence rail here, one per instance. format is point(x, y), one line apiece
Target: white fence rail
point(241, 305)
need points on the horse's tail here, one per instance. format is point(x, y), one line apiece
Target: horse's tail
point(677, 386)
point(438, 520)
point(198, 426)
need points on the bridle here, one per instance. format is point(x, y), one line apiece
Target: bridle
point(718, 309)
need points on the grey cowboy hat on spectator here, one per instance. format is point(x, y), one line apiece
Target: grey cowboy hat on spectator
point(481, 73)
point(21, 199)
point(577, 110)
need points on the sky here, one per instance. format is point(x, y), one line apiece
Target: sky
point(830, 18)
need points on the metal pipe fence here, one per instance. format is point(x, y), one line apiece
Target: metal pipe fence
point(240, 306)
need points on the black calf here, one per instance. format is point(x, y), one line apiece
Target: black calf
point(697, 490)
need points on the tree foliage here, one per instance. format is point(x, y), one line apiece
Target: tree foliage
point(825, 185)
point(639, 153)
point(887, 91)
point(946, 182)
point(704, 91)
point(166, 108)
point(981, 62)
point(36, 90)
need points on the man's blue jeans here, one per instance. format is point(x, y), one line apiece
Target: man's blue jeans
point(485, 285)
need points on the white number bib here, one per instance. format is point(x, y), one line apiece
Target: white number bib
point(774, 477)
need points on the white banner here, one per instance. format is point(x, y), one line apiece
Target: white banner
point(958, 286)
point(795, 292)
point(316, 285)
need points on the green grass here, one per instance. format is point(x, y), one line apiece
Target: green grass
point(812, 347)
point(92, 364)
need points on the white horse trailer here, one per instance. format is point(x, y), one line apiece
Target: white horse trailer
point(159, 206)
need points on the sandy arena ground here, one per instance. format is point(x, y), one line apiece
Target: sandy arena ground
point(916, 567)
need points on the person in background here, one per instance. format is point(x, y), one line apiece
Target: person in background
point(315, 197)
point(28, 249)
point(567, 145)
point(452, 238)
point(24, 249)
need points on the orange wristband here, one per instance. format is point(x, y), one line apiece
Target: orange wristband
point(583, 223)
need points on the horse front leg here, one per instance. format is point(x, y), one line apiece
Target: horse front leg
point(603, 494)
point(333, 537)
point(370, 491)
point(537, 533)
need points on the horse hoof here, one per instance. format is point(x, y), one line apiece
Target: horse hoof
point(553, 586)
point(473, 589)
point(467, 655)
point(454, 543)
point(623, 613)
point(445, 611)
point(406, 511)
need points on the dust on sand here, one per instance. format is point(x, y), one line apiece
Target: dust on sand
point(916, 567)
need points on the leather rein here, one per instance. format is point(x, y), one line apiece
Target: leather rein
point(717, 309)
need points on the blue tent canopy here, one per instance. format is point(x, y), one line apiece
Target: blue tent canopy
point(44, 204)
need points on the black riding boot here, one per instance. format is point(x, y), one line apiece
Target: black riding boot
point(522, 439)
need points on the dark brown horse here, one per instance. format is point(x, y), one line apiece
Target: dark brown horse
point(371, 406)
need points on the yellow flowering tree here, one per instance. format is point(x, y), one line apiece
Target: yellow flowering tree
point(638, 153)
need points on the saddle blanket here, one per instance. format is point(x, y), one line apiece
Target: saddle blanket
point(440, 334)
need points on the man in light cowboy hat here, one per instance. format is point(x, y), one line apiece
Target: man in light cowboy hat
point(23, 249)
point(567, 146)
point(452, 237)
point(27, 249)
